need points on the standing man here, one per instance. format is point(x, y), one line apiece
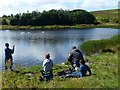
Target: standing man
point(75, 56)
point(47, 67)
point(8, 56)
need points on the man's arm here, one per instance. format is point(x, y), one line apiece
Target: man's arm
point(13, 49)
point(70, 58)
point(81, 56)
point(43, 64)
point(89, 71)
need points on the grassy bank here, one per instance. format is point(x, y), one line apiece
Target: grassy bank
point(9, 27)
point(104, 75)
point(96, 46)
point(110, 15)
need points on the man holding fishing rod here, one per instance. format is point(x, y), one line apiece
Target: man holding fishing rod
point(8, 56)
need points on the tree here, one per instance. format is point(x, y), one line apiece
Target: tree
point(4, 22)
point(53, 17)
point(82, 17)
point(14, 21)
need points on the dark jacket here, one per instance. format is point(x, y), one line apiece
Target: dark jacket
point(75, 55)
point(8, 53)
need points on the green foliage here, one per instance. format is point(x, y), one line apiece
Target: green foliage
point(52, 17)
point(4, 22)
point(95, 46)
point(106, 16)
point(82, 17)
point(105, 20)
point(0, 21)
point(115, 20)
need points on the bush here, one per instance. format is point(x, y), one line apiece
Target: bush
point(105, 20)
point(4, 22)
point(115, 20)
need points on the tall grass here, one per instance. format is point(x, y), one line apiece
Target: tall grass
point(80, 26)
point(95, 46)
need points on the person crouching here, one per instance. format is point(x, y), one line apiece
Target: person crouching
point(47, 71)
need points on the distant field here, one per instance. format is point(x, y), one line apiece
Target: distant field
point(113, 13)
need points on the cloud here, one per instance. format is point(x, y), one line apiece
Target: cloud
point(99, 4)
point(16, 6)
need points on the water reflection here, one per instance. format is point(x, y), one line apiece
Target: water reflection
point(31, 45)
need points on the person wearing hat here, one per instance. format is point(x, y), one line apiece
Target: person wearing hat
point(47, 67)
point(8, 56)
point(75, 56)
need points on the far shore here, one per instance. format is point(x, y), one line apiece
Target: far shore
point(81, 26)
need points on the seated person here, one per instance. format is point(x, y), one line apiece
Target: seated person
point(82, 70)
point(47, 68)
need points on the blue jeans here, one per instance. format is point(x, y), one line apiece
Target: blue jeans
point(74, 74)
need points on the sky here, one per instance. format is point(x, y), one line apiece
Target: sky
point(8, 7)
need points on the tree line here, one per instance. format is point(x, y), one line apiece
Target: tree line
point(51, 17)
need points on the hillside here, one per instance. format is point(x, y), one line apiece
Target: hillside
point(111, 14)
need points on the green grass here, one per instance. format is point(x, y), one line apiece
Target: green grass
point(9, 27)
point(104, 69)
point(0, 80)
point(111, 14)
point(96, 46)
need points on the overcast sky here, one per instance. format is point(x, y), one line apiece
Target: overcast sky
point(8, 7)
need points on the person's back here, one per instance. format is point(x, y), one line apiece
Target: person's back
point(84, 68)
point(8, 56)
point(47, 65)
point(47, 68)
point(75, 56)
point(8, 53)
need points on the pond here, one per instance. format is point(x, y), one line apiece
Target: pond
point(31, 45)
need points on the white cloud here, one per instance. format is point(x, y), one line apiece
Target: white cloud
point(53, 6)
point(99, 4)
point(16, 6)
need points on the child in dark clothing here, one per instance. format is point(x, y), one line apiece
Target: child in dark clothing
point(8, 56)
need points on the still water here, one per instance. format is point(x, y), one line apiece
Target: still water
point(31, 45)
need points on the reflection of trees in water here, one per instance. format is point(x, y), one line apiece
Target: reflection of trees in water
point(51, 41)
